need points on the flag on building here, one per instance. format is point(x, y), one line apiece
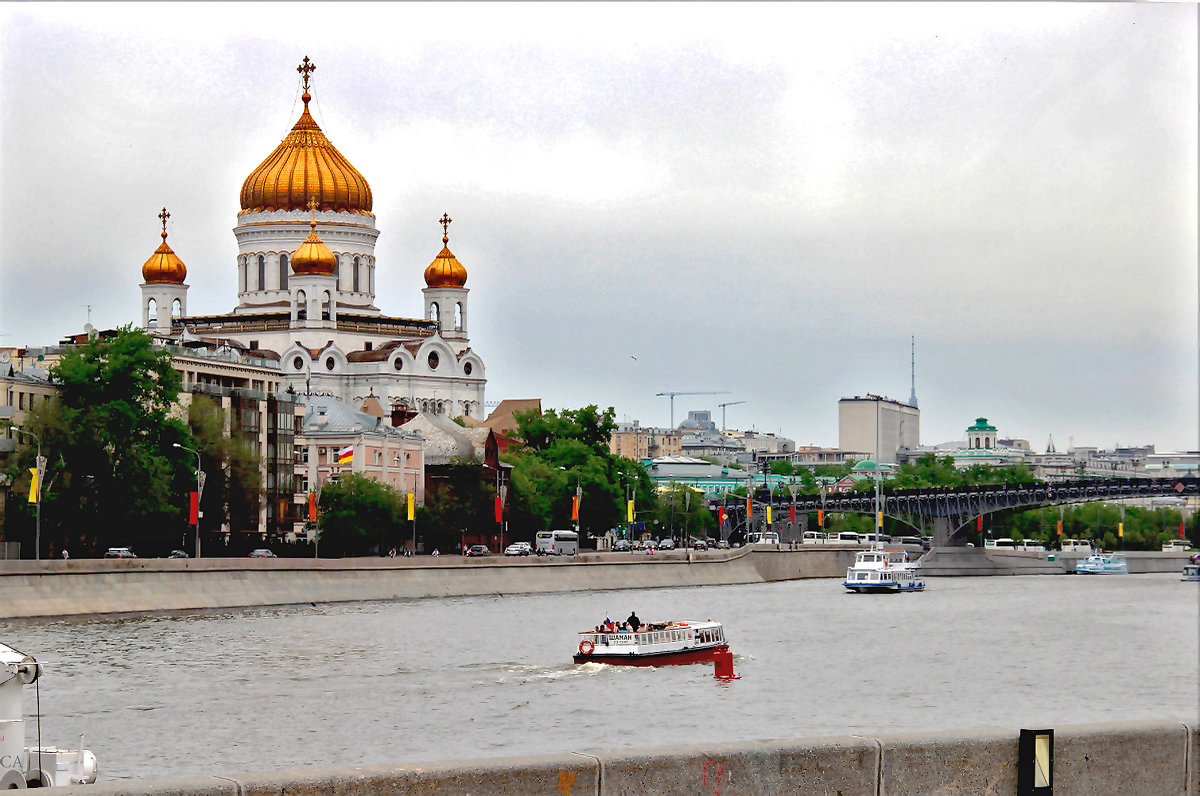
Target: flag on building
point(346, 455)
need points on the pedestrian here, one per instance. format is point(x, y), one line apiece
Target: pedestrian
point(66, 554)
point(435, 552)
point(633, 621)
point(392, 553)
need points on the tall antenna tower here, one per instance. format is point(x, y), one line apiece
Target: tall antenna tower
point(912, 398)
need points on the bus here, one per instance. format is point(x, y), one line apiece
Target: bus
point(762, 537)
point(557, 543)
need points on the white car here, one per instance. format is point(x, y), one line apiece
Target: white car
point(518, 549)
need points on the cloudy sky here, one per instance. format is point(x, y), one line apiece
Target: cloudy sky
point(764, 200)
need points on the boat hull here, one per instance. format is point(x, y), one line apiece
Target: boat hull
point(883, 588)
point(673, 658)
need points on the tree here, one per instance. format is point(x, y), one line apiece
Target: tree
point(112, 478)
point(360, 516)
point(232, 489)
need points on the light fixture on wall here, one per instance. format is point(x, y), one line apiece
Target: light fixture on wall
point(1035, 763)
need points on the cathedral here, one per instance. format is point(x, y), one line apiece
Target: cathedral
point(306, 290)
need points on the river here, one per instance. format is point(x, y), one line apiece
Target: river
point(386, 682)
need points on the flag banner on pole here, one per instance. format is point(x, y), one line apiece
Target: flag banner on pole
point(629, 511)
point(1060, 527)
point(412, 506)
point(721, 516)
point(749, 508)
point(194, 508)
point(346, 455)
point(499, 510)
point(979, 523)
point(33, 486)
point(312, 506)
point(768, 515)
point(1181, 530)
point(1120, 529)
point(879, 519)
point(575, 508)
point(791, 513)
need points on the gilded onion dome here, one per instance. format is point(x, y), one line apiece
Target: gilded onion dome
point(164, 266)
point(304, 165)
point(313, 256)
point(445, 270)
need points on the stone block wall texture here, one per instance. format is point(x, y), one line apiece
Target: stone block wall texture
point(1151, 758)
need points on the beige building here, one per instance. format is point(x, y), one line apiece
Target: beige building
point(877, 424)
point(635, 442)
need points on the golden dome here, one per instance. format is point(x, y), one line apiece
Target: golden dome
point(164, 266)
point(306, 164)
point(313, 256)
point(445, 270)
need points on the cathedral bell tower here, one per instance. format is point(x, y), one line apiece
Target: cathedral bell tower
point(446, 291)
point(164, 295)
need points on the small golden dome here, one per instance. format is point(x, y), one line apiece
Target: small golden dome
point(164, 266)
point(445, 270)
point(313, 256)
point(304, 165)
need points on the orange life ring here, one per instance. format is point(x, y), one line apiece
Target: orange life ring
point(588, 644)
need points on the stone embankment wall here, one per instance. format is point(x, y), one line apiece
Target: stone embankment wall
point(89, 586)
point(1140, 758)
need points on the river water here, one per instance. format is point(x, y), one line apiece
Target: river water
point(388, 682)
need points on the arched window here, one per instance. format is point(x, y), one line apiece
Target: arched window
point(152, 311)
point(337, 272)
point(458, 316)
point(355, 274)
point(326, 305)
point(242, 275)
point(435, 314)
point(176, 309)
point(301, 305)
point(262, 272)
point(283, 272)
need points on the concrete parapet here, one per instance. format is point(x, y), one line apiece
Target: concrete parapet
point(1156, 758)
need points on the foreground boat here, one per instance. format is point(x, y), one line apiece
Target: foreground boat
point(653, 644)
point(1191, 573)
point(1102, 564)
point(883, 572)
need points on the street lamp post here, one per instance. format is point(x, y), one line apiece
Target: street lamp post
point(40, 463)
point(199, 489)
point(578, 497)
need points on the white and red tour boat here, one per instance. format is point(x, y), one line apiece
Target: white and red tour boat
point(653, 644)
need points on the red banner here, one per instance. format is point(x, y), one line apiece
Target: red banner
point(312, 507)
point(574, 508)
point(721, 516)
point(979, 523)
point(194, 508)
point(820, 518)
point(792, 513)
point(749, 509)
point(499, 510)
point(1181, 534)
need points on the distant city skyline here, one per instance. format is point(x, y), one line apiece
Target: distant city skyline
point(768, 200)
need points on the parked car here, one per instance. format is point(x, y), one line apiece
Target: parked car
point(119, 552)
point(478, 550)
point(178, 554)
point(262, 552)
point(699, 544)
point(622, 545)
point(666, 544)
point(723, 544)
point(518, 549)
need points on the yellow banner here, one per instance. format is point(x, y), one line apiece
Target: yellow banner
point(412, 502)
point(33, 485)
point(879, 519)
point(629, 512)
point(1120, 529)
point(768, 515)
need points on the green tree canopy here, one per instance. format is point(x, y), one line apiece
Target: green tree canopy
point(359, 516)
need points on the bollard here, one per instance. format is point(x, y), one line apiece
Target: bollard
point(723, 665)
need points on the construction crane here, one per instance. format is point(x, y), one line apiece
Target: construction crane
point(672, 395)
point(730, 403)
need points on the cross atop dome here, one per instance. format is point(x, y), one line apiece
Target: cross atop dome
point(163, 216)
point(445, 222)
point(306, 68)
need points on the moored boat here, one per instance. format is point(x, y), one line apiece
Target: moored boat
point(1191, 573)
point(883, 571)
point(653, 644)
point(1102, 564)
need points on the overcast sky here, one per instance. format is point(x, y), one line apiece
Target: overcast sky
point(767, 200)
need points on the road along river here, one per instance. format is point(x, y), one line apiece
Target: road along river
point(484, 676)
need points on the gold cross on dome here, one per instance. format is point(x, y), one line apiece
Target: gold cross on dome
point(445, 222)
point(306, 68)
point(312, 205)
point(163, 216)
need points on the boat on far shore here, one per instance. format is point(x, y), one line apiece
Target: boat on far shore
point(1102, 564)
point(883, 571)
point(1191, 573)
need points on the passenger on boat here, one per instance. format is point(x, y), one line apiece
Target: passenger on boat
point(633, 621)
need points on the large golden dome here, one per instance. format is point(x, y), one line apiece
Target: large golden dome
point(445, 270)
point(164, 266)
point(306, 164)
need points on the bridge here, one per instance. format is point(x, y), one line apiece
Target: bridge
point(950, 511)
